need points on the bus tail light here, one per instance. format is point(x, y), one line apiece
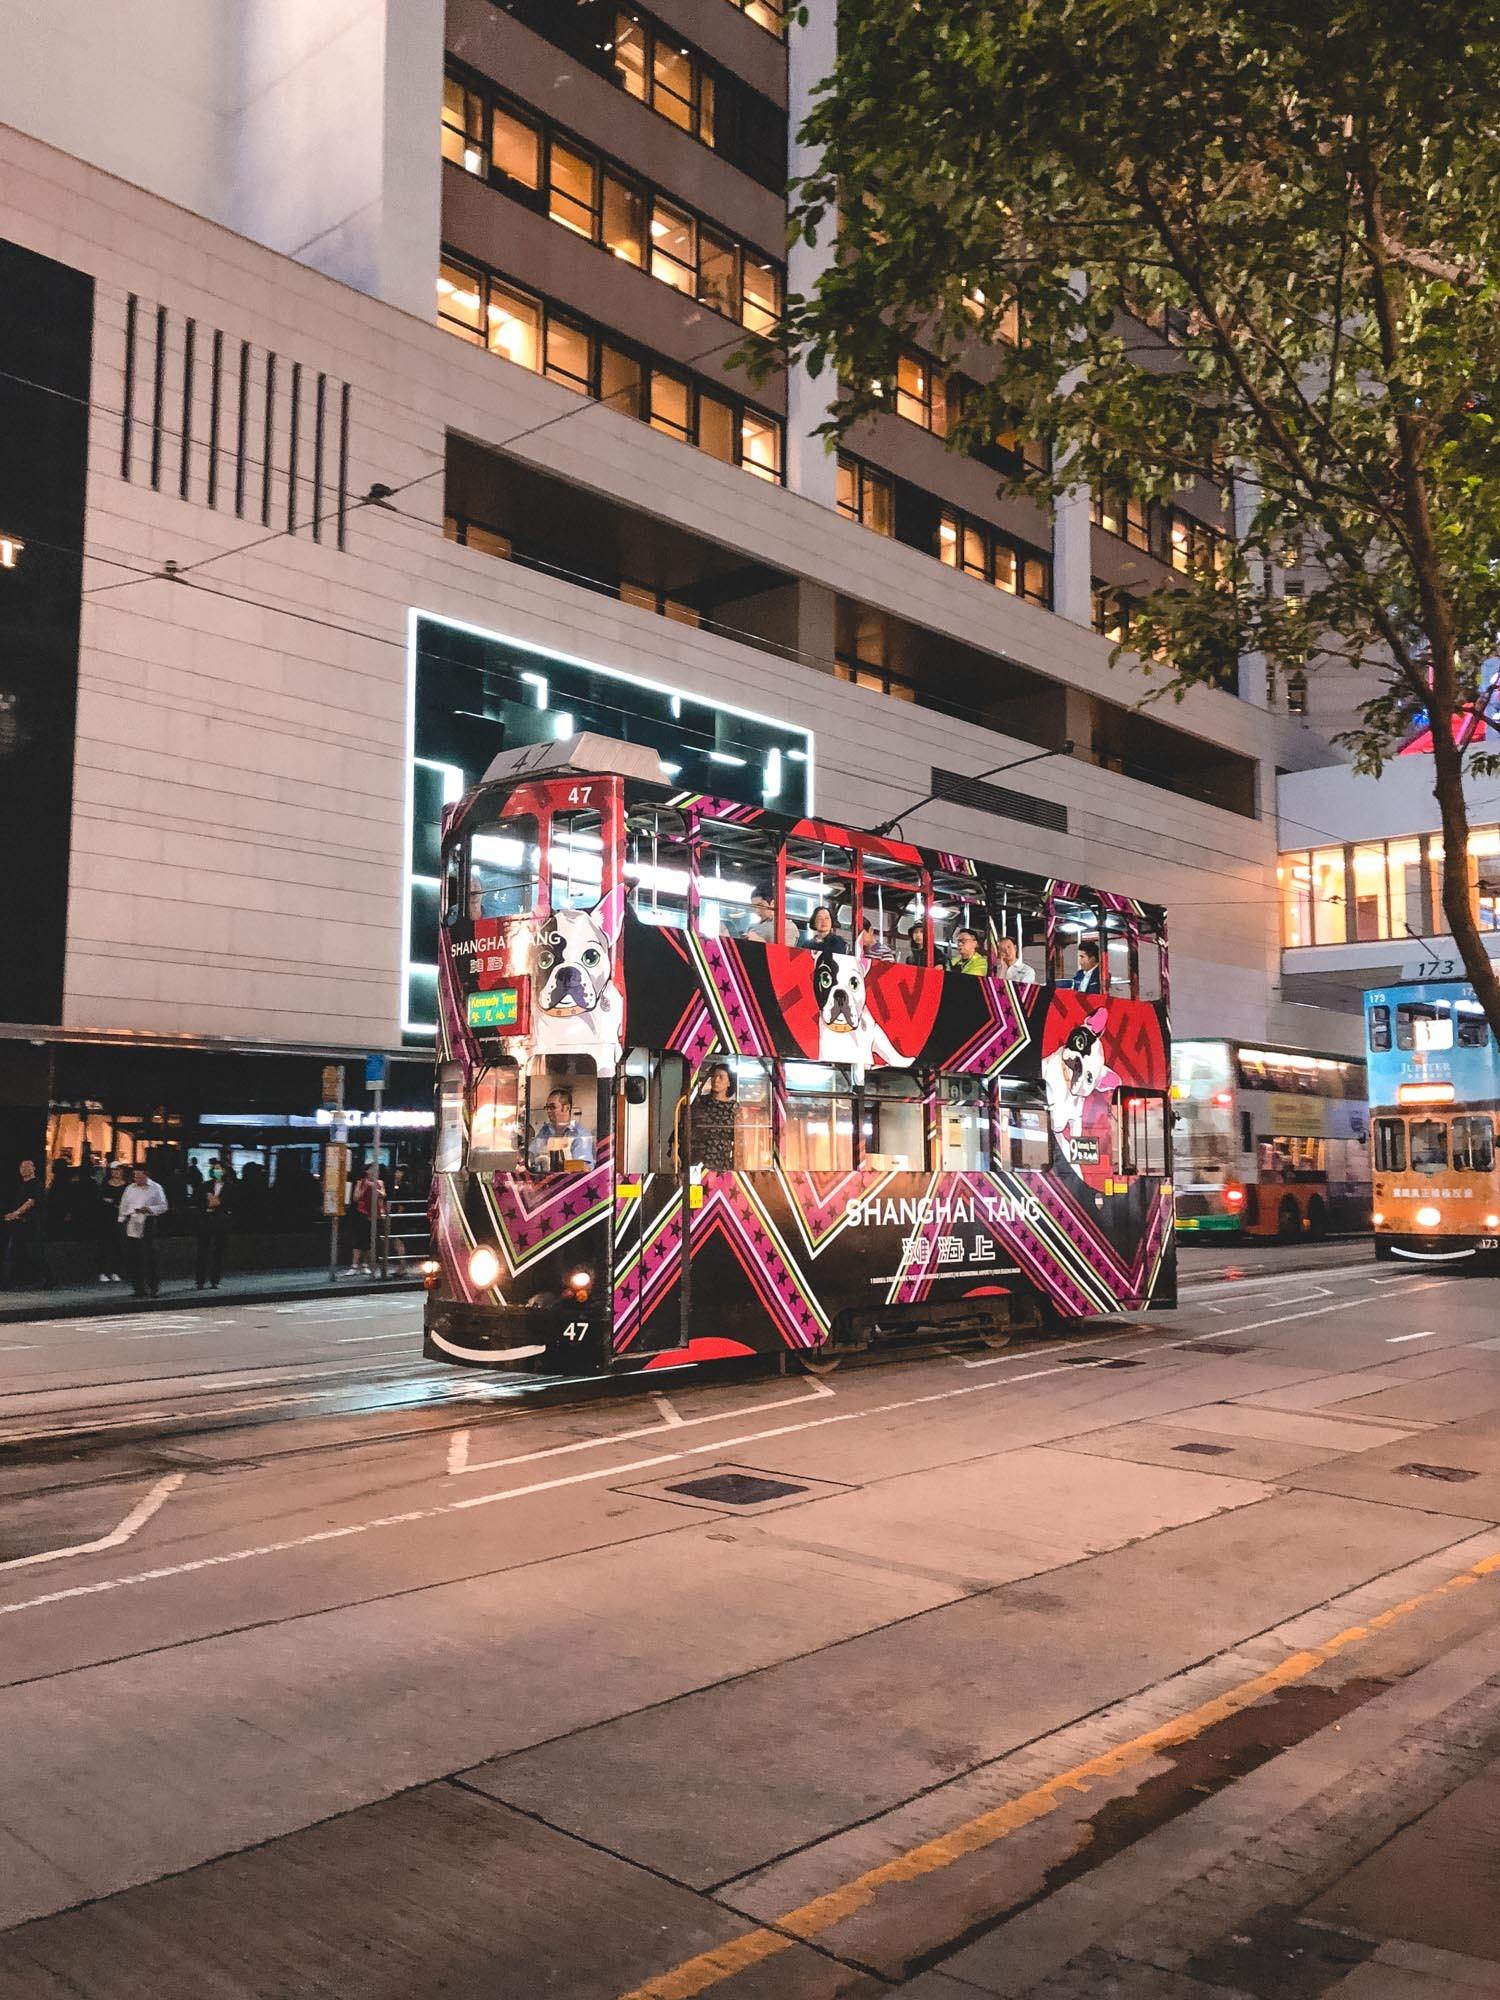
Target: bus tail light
point(1234, 1197)
point(1429, 1218)
point(484, 1267)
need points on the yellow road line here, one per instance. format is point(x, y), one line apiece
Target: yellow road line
point(809, 1920)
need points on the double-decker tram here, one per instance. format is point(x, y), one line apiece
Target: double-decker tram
point(713, 1082)
point(1434, 1104)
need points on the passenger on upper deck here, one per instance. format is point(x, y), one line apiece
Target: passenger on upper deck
point(763, 910)
point(1086, 979)
point(870, 943)
point(1012, 966)
point(967, 957)
point(821, 934)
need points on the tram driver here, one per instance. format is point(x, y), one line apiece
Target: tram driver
point(562, 1140)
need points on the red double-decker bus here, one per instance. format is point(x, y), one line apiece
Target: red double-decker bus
point(715, 1082)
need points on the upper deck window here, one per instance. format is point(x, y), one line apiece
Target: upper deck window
point(504, 868)
point(577, 860)
point(1473, 1024)
point(656, 866)
point(1424, 1026)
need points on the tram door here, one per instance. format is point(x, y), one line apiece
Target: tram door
point(652, 1273)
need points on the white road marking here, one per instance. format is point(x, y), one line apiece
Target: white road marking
point(592, 1476)
point(136, 1519)
point(458, 1453)
point(1297, 1298)
point(353, 1339)
point(19, 1347)
point(669, 1416)
point(1396, 1338)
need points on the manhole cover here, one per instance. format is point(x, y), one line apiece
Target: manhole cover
point(1453, 1473)
point(1224, 1347)
point(735, 1489)
point(1205, 1450)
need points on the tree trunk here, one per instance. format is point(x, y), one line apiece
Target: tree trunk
point(1448, 789)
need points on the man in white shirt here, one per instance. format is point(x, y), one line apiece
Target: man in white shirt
point(140, 1206)
point(1012, 966)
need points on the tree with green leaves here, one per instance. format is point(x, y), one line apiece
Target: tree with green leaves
point(1305, 194)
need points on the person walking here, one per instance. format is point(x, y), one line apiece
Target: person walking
point(142, 1205)
point(211, 1212)
point(107, 1224)
point(25, 1256)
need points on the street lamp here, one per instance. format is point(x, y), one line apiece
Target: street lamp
point(1062, 750)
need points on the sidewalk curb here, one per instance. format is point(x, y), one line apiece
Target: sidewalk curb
point(108, 1303)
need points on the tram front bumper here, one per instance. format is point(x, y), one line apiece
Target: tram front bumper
point(556, 1338)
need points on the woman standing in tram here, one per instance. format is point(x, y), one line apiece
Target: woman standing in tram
point(715, 1115)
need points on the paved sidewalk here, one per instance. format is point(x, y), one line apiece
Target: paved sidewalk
point(238, 1289)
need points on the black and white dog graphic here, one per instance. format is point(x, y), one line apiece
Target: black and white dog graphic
point(577, 1008)
point(847, 1031)
point(1071, 1075)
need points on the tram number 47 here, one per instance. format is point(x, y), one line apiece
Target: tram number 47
point(576, 1329)
point(579, 795)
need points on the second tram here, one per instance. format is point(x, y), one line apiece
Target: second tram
point(713, 1082)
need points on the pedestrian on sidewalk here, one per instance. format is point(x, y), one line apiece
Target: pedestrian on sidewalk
point(211, 1211)
point(369, 1193)
point(107, 1225)
point(25, 1253)
point(142, 1205)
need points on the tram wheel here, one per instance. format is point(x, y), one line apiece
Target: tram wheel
point(817, 1361)
point(1288, 1222)
point(1000, 1338)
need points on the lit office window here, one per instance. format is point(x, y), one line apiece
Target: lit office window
point(760, 446)
point(516, 147)
point(515, 326)
point(463, 126)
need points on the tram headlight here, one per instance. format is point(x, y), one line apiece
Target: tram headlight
point(1429, 1218)
point(1492, 1222)
point(484, 1267)
point(431, 1270)
point(580, 1283)
point(1378, 1218)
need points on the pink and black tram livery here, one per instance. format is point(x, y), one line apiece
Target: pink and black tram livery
point(714, 1082)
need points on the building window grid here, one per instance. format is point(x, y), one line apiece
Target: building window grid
point(767, 14)
point(586, 193)
point(489, 540)
point(990, 556)
point(866, 496)
point(1378, 891)
point(1178, 539)
point(919, 392)
point(486, 311)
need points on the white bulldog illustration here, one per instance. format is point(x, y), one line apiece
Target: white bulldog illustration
point(576, 1006)
point(1071, 1075)
point(847, 1033)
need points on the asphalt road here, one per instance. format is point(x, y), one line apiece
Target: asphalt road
point(1121, 1665)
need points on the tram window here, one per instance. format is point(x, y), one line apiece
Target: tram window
point(752, 1124)
point(504, 868)
point(1143, 1133)
point(1023, 1137)
point(817, 1118)
point(1473, 1024)
point(963, 1124)
point(633, 1114)
point(1429, 1145)
point(1424, 1025)
point(1149, 983)
point(1474, 1145)
point(819, 873)
point(496, 1124)
point(1390, 1146)
point(577, 860)
point(453, 879)
point(656, 866)
point(1021, 917)
point(958, 905)
point(1380, 1029)
point(1116, 968)
point(891, 901)
point(730, 864)
point(448, 1149)
point(562, 1115)
point(731, 1123)
point(891, 1121)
